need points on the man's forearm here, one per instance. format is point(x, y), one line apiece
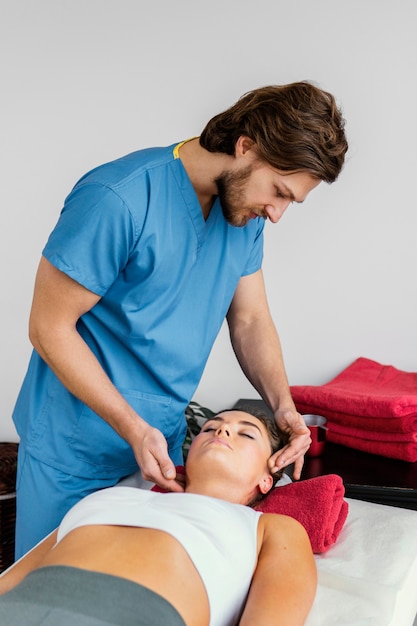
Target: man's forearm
point(258, 350)
point(72, 361)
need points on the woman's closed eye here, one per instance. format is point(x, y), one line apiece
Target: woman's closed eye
point(249, 435)
point(208, 429)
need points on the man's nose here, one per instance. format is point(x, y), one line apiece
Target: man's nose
point(276, 211)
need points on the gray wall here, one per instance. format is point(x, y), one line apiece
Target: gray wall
point(86, 81)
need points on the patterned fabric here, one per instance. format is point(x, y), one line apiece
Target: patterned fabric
point(196, 416)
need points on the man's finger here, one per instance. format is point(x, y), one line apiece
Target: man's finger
point(168, 470)
point(298, 466)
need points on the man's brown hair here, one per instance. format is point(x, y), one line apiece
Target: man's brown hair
point(296, 127)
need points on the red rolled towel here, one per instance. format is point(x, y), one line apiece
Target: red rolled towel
point(365, 388)
point(317, 503)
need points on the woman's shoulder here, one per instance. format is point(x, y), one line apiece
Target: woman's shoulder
point(280, 530)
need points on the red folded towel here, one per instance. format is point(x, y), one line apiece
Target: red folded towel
point(394, 450)
point(372, 435)
point(369, 407)
point(317, 503)
point(406, 424)
point(365, 388)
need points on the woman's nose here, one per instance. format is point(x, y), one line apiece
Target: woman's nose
point(223, 430)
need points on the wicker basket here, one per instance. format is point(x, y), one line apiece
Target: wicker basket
point(8, 464)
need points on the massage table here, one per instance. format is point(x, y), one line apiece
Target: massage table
point(367, 572)
point(368, 577)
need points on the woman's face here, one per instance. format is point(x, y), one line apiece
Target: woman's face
point(236, 445)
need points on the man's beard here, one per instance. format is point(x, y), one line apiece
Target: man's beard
point(231, 188)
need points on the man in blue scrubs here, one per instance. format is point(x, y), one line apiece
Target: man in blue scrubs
point(150, 253)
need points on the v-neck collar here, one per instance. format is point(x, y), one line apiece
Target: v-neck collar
point(201, 225)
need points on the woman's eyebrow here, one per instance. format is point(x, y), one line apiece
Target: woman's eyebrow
point(246, 423)
point(218, 418)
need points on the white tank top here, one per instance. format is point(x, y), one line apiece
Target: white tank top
point(219, 537)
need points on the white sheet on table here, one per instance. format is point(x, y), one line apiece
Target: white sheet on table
point(369, 577)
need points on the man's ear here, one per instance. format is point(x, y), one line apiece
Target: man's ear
point(243, 145)
point(266, 483)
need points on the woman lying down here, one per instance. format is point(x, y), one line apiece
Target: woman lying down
point(131, 557)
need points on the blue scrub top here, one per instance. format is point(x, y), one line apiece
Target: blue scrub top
point(132, 231)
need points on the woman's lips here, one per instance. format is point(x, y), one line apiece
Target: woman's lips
point(220, 441)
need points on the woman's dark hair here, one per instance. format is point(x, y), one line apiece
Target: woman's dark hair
point(296, 127)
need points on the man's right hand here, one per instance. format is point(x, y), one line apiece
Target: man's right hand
point(151, 453)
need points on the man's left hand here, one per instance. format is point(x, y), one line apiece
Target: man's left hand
point(291, 422)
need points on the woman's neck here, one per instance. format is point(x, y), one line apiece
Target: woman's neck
point(222, 490)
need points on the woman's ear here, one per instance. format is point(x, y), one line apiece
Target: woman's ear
point(266, 483)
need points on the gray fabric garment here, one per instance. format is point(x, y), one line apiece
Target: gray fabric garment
point(67, 596)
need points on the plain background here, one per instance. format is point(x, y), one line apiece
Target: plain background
point(86, 81)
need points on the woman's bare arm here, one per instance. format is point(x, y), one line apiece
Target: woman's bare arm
point(285, 580)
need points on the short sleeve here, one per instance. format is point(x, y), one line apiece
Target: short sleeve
point(254, 262)
point(93, 238)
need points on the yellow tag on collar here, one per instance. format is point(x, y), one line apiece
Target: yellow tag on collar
point(176, 150)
